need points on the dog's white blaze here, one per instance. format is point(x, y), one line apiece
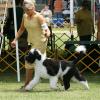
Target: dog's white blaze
point(32, 50)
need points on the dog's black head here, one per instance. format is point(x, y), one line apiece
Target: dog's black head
point(32, 56)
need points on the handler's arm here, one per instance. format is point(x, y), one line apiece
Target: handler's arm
point(20, 31)
point(44, 26)
point(18, 34)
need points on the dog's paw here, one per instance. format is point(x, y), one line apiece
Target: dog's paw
point(28, 88)
point(87, 88)
point(54, 87)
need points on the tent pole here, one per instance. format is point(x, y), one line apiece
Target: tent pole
point(17, 54)
point(71, 18)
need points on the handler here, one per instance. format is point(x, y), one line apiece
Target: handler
point(38, 33)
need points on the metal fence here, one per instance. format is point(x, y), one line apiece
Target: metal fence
point(61, 45)
point(56, 50)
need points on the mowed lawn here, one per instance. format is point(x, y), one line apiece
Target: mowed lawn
point(9, 90)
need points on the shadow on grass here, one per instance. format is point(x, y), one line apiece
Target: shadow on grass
point(32, 91)
point(41, 90)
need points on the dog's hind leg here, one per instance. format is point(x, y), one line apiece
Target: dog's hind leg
point(53, 82)
point(79, 78)
point(32, 83)
point(66, 79)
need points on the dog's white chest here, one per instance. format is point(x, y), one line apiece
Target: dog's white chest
point(42, 72)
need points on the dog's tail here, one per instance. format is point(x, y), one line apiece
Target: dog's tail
point(81, 50)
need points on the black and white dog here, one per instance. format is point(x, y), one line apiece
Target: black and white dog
point(52, 69)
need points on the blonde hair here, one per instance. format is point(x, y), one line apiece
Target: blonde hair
point(29, 4)
point(30, 1)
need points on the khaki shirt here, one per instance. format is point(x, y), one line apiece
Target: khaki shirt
point(35, 32)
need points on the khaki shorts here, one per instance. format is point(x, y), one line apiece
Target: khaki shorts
point(29, 66)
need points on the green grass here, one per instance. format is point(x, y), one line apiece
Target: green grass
point(9, 90)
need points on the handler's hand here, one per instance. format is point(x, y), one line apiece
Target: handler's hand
point(46, 33)
point(13, 43)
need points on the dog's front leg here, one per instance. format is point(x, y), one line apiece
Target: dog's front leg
point(32, 83)
point(53, 82)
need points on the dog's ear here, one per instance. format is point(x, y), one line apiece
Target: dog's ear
point(30, 58)
point(38, 56)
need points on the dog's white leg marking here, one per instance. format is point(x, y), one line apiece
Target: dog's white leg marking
point(53, 82)
point(32, 83)
point(85, 83)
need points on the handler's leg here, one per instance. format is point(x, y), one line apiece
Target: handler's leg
point(29, 76)
point(29, 73)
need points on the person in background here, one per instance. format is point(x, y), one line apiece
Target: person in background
point(47, 13)
point(66, 10)
point(84, 22)
point(9, 30)
point(51, 5)
point(38, 33)
point(58, 6)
